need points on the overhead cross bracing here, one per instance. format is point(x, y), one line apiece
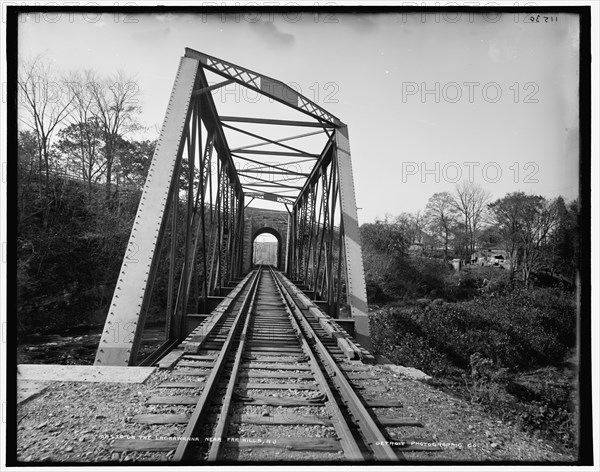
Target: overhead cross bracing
point(272, 137)
point(231, 138)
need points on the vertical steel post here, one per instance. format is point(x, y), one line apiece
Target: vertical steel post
point(171, 307)
point(311, 251)
point(316, 231)
point(122, 332)
point(292, 269)
point(355, 276)
point(330, 257)
point(338, 296)
point(186, 268)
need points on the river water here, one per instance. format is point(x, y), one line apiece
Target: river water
point(75, 348)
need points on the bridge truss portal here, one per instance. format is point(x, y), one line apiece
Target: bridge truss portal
point(186, 244)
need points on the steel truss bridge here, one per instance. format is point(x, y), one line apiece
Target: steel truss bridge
point(187, 246)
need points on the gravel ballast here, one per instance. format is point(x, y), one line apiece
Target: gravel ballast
point(80, 422)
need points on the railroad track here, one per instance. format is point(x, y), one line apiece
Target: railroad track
point(268, 374)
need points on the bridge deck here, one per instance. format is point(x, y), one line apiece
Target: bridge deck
point(334, 328)
point(267, 364)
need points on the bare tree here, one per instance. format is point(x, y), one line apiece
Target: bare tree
point(418, 223)
point(526, 223)
point(407, 223)
point(538, 219)
point(27, 151)
point(440, 214)
point(43, 106)
point(82, 139)
point(81, 146)
point(470, 201)
point(116, 107)
point(507, 215)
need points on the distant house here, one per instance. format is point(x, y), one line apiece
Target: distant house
point(491, 257)
point(415, 247)
point(425, 242)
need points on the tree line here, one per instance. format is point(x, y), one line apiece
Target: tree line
point(534, 232)
point(78, 124)
point(80, 170)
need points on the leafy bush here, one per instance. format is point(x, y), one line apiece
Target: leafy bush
point(395, 333)
point(523, 329)
point(477, 381)
point(542, 418)
point(406, 278)
point(484, 344)
point(68, 265)
point(474, 281)
point(394, 276)
point(390, 273)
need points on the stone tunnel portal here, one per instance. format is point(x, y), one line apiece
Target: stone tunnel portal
point(260, 221)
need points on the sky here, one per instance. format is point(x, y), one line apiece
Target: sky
point(429, 99)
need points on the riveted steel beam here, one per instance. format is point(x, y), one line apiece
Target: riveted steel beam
point(355, 275)
point(203, 250)
point(123, 327)
point(267, 86)
point(268, 121)
point(211, 235)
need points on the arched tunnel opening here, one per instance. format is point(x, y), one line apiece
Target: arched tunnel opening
point(266, 248)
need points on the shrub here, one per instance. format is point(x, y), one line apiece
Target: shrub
point(540, 417)
point(523, 329)
point(395, 333)
point(478, 380)
point(484, 343)
point(68, 267)
point(406, 279)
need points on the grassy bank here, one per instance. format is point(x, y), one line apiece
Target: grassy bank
point(508, 350)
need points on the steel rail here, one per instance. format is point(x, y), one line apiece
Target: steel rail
point(375, 439)
point(222, 424)
point(166, 347)
point(203, 404)
point(347, 441)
